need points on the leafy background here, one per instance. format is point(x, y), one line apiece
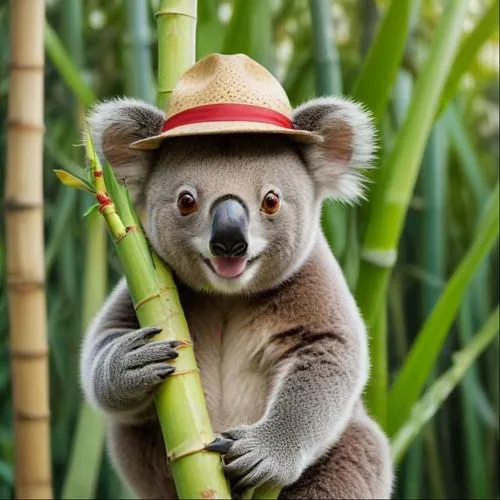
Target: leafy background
point(429, 72)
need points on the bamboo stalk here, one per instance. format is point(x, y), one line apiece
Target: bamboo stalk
point(180, 400)
point(25, 261)
point(433, 185)
point(424, 409)
point(328, 77)
point(176, 26)
point(392, 196)
point(138, 38)
point(182, 412)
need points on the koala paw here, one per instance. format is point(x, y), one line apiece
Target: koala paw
point(138, 365)
point(254, 455)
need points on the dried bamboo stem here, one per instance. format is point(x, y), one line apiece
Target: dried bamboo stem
point(25, 255)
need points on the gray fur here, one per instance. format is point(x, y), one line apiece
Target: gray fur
point(282, 349)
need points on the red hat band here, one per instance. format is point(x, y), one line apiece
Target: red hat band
point(227, 112)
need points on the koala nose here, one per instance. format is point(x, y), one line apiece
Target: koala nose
point(229, 229)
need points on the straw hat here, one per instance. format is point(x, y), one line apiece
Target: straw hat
point(227, 94)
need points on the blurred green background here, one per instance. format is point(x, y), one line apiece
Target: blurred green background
point(378, 52)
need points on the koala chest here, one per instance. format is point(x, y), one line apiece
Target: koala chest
point(225, 342)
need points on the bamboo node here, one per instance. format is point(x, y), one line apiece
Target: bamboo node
point(104, 200)
point(380, 258)
point(31, 416)
point(21, 125)
point(146, 299)
point(174, 12)
point(120, 237)
point(13, 205)
point(187, 371)
point(185, 449)
point(28, 355)
point(26, 67)
point(20, 285)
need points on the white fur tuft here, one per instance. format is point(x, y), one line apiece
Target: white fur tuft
point(335, 179)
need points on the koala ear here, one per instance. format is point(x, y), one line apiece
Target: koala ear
point(114, 125)
point(348, 145)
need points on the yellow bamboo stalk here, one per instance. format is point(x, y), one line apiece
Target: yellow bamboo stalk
point(25, 256)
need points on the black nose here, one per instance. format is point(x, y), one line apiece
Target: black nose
point(229, 229)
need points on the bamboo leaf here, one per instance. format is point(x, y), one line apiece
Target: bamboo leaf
point(378, 73)
point(392, 197)
point(73, 181)
point(426, 347)
point(425, 409)
point(249, 31)
point(468, 51)
point(117, 193)
point(91, 209)
point(69, 72)
point(210, 32)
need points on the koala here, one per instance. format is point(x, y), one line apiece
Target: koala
point(279, 340)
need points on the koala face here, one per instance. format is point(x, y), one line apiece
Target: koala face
point(231, 213)
point(236, 213)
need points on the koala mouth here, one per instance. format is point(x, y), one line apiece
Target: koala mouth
point(228, 267)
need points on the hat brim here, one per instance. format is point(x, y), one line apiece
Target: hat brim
point(212, 128)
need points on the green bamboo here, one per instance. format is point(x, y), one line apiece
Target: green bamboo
point(64, 64)
point(180, 400)
point(476, 473)
point(380, 68)
point(419, 363)
point(176, 27)
point(210, 32)
point(182, 412)
point(469, 48)
point(88, 440)
point(140, 74)
point(250, 31)
point(433, 179)
point(328, 75)
point(423, 410)
point(392, 196)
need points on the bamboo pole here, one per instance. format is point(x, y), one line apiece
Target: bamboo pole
point(182, 412)
point(25, 255)
point(176, 26)
point(392, 193)
point(137, 40)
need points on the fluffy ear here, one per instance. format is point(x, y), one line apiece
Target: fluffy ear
point(347, 148)
point(114, 125)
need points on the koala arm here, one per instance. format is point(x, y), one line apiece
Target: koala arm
point(319, 365)
point(120, 367)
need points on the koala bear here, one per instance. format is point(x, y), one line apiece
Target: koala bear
point(279, 340)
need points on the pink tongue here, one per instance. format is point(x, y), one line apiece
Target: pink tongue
point(229, 267)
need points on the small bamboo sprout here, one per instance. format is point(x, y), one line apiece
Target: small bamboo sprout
point(25, 261)
point(180, 402)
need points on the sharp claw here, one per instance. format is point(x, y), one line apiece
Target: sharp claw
point(168, 371)
point(220, 444)
point(152, 331)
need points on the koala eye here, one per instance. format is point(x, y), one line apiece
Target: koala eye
point(186, 203)
point(270, 203)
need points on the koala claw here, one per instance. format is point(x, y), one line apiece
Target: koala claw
point(139, 363)
point(251, 458)
point(220, 444)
